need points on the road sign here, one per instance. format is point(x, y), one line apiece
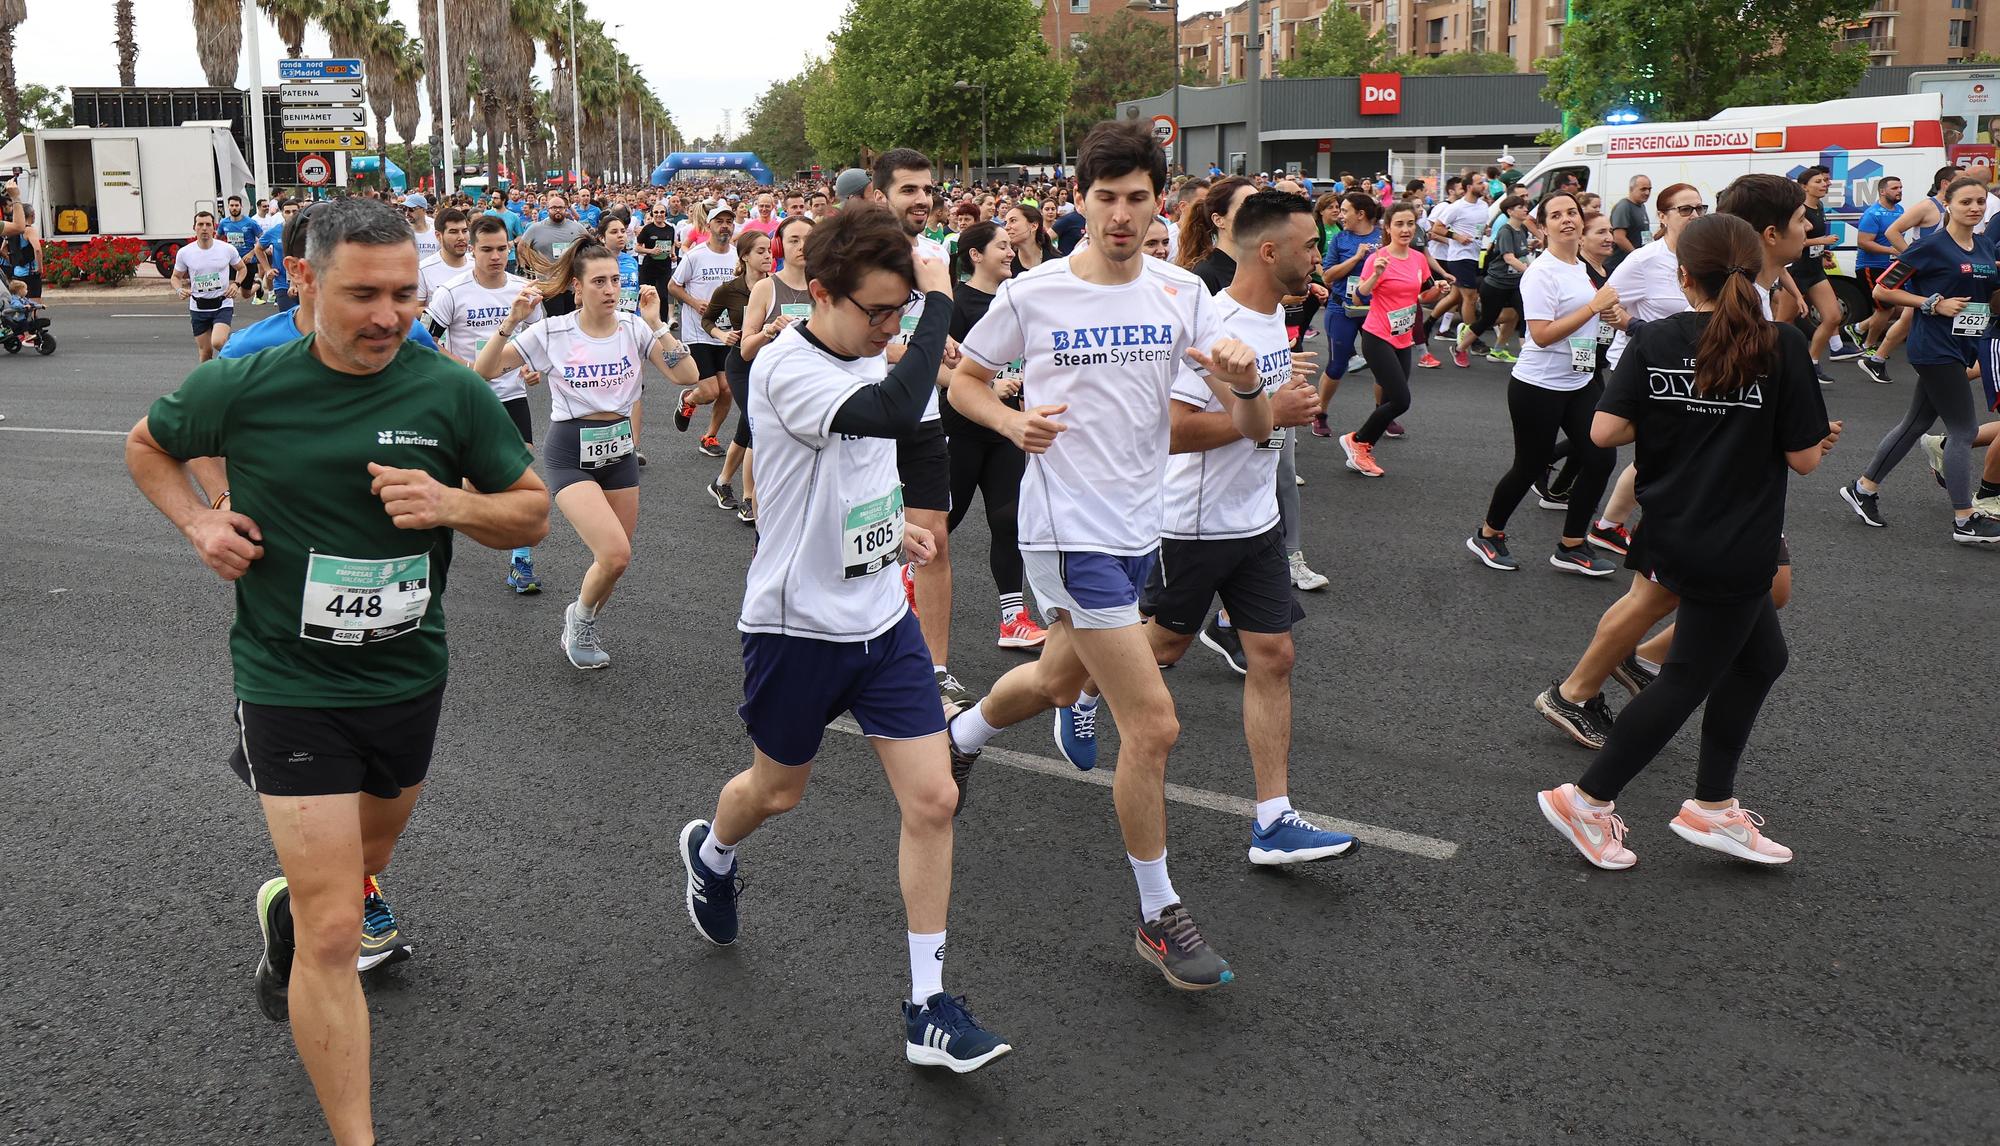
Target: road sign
point(319, 69)
point(1165, 130)
point(334, 118)
point(314, 170)
point(325, 141)
point(345, 92)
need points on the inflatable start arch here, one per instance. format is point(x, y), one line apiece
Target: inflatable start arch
point(745, 161)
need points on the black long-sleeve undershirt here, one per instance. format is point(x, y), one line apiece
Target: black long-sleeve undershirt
point(893, 407)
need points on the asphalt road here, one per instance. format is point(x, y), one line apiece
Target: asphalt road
point(1508, 993)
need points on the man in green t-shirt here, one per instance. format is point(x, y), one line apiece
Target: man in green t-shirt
point(353, 456)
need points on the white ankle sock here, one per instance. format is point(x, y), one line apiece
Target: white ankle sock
point(1269, 810)
point(1156, 891)
point(717, 857)
point(926, 966)
point(1085, 701)
point(970, 731)
point(585, 612)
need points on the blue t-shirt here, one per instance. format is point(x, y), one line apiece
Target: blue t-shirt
point(589, 215)
point(279, 329)
point(242, 233)
point(1344, 246)
point(273, 240)
point(1069, 232)
point(1876, 221)
point(1936, 264)
point(628, 281)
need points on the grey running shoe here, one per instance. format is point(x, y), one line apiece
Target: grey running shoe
point(579, 641)
point(1976, 530)
point(274, 966)
point(725, 497)
point(961, 768)
point(953, 694)
point(1174, 945)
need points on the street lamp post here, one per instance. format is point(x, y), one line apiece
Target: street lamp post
point(618, 90)
point(963, 85)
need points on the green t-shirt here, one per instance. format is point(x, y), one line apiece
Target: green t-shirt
point(344, 610)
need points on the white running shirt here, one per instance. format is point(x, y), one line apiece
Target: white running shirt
point(1232, 490)
point(587, 375)
point(1110, 353)
point(1551, 288)
point(1463, 217)
point(469, 314)
point(824, 500)
point(427, 243)
point(701, 270)
point(434, 272)
point(209, 272)
point(929, 249)
point(1648, 283)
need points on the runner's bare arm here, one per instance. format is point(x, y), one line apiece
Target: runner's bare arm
point(506, 519)
point(226, 542)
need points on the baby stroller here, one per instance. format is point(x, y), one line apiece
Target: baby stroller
point(21, 324)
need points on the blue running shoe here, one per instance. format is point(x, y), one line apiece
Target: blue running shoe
point(1076, 735)
point(711, 898)
point(1292, 838)
point(521, 576)
point(943, 1033)
point(382, 939)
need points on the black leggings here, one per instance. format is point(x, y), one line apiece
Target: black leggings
point(1538, 415)
point(1493, 299)
point(1942, 392)
point(992, 469)
point(1727, 655)
point(1391, 367)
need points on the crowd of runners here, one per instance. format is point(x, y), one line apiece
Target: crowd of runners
point(1116, 366)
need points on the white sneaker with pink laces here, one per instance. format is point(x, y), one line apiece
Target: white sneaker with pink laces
point(1733, 831)
point(1596, 831)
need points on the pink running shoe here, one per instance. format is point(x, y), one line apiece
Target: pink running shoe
point(1596, 832)
point(1733, 831)
point(1429, 361)
point(1360, 456)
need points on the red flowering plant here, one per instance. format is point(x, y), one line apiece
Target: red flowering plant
point(108, 260)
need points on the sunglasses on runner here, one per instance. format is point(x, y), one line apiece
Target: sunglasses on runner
point(1688, 210)
point(877, 315)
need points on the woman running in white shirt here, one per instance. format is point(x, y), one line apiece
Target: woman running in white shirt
point(592, 360)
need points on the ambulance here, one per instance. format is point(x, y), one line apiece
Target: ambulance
point(1858, 140)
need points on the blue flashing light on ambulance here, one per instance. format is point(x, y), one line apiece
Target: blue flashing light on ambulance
point(1860, 141)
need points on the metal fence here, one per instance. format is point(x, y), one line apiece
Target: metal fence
point(1433, 167)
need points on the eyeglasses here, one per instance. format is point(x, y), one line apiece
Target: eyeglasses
point(1687, 210)
point(877, 315)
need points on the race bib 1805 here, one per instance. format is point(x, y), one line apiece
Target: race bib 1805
point(871, 535)
point(359, 601)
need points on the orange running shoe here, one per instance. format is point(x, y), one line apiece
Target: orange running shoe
point(1596, 831)
point(1018, 632)
point(1360, 456)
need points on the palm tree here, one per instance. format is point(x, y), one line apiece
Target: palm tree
point(427, 38)
point(380, 54)
point(477, 29)
point(409, 107)
point(351, 25)
point(291, 17)
point(12, 12)
point(128, 46)
point(218, 40)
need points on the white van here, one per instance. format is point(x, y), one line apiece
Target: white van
point(1858, 140)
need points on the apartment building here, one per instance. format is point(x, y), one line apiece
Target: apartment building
point(1896, 32)
point(1066, 23)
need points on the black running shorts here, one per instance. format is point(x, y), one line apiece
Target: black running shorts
point(1250, 574)
point(923, 460)
point(380, 750)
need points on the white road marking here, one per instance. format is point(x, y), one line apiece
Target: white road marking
point(52, 430)
point(145, 316)
point(1375, 837)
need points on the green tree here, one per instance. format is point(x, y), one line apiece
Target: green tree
point(1126, 58)
point(44, 107)
point(775, 126)
point(1341, 46)
point(1456, 64)
point(895, 61)
point(1688, 59)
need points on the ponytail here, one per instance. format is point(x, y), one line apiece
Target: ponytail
point(563, 275)
point(1198, 225)
point(1721, 254)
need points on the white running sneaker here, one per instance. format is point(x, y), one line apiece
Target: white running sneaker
point(1733, 831)
point(1303, 576)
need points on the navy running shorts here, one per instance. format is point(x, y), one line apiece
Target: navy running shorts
point(794, 686)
